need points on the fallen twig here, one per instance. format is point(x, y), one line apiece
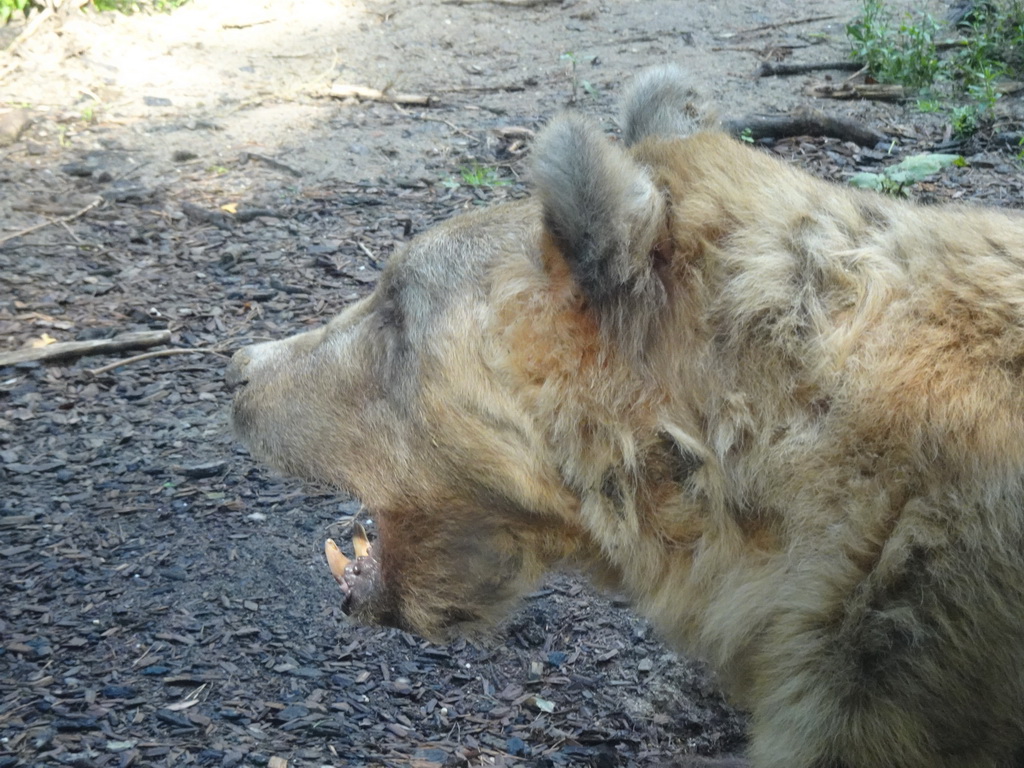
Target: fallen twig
point(247, 24)
point(515, 87)
point(870, 91)
point(768, 69)
point(432, 119)
point(248, 214)
point(147, 355)
point(342, 91)
point(862, 71)
point(247, 156)
point(368, 252)
point(71, 350)
point(778, 24)
point(48, 222)
point(803, 122)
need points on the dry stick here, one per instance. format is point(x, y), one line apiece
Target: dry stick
point(790, 23)
point(803, 122)
point(147, 355)
point(512, 88)
point(69, 350)
point(368, 252)
point(277, 164)
point(429, 118)
point(71, 232)
point(62, 220)
point(343, 91)
point(870, 91)
point(246, 25)
point(767, 68)
point(862, 71)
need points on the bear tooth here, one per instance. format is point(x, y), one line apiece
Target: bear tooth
point(360, 541)
point(336, 560)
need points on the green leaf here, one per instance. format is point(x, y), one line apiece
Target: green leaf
point(867, 181)
point(543, 704)
point(920, 167)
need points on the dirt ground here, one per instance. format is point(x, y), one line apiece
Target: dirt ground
point(163, 600)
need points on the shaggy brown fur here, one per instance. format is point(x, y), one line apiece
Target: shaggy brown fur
point(785, 417)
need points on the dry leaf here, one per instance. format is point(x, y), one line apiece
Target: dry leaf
point(43, 341)
point(180, 705)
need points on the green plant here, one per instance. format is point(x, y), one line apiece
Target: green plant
point(747, 135)
point(8, 7)
point(588, 89)
point(992, 39)
point(964, 120)
point(903, 53)
point(984, 90)
point(133, 6)
point(989, 48)
point(895, 179)
point(477, 175)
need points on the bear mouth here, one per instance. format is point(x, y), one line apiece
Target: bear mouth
point(357, 577)
point(235, 377)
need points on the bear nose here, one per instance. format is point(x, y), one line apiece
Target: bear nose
point(236, 375)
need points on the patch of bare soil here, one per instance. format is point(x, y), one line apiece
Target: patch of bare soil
point(164, 600)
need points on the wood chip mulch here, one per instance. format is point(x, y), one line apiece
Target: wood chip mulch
point(164, 600)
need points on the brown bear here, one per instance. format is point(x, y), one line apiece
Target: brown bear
point(785, 417)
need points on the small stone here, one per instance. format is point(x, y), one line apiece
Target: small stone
point(12, 125)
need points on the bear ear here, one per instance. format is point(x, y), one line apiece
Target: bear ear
point(607, 219)
point(662, 102)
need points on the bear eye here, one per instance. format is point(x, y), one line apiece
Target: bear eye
point(391, 309)
point(391, 315)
